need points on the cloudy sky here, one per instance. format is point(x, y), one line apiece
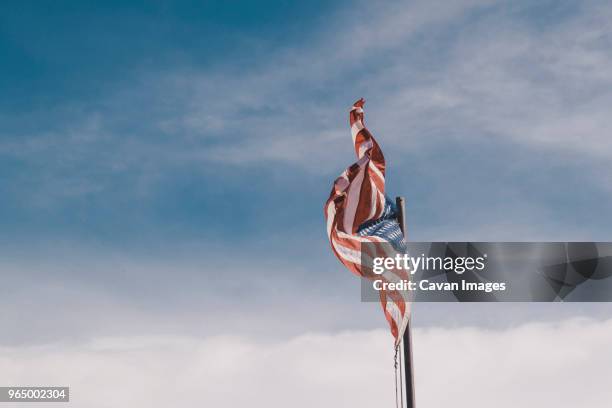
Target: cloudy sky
point(164, 169)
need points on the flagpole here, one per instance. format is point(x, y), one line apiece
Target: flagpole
point(407, 339)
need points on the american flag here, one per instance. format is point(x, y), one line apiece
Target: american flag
point(358, 212)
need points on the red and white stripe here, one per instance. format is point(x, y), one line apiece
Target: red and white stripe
point(358, 196)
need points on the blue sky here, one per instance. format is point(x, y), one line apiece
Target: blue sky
point(139, 125)
point(157, 157)
point(164, 169)
point(85, 90)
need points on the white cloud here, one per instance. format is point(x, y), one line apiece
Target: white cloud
point(555, 365)
point(499, 76)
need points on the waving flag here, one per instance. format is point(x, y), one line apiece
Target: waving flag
point(358, 212)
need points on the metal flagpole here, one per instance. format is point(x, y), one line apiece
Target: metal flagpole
point(407, 339)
